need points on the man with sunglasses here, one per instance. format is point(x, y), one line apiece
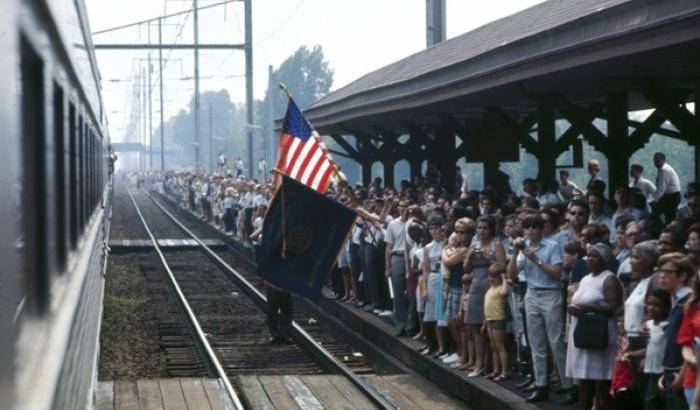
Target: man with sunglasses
point(541, 262)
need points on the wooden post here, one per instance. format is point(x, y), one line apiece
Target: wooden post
point(366, 173)
point(545, 141)
point(415, 165)
point(388, 173)
point(617, 150)
point(443, 151)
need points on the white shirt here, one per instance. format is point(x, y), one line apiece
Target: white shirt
point(247, 200)
point(357, 232)
point(634, 307)
point(667, 182)
point(259, 199)
point(567, 190)
point(548, 198)
point(655, 347)
point(396, 235)
point(258, 223)
point(434, 255)
point(647, 187)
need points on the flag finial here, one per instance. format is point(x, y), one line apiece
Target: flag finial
point(286, 90)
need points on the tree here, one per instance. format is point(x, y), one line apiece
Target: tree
point(307, 76)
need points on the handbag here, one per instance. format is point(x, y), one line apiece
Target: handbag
point(591, 331)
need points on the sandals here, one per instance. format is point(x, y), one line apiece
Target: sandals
point(491, 376)
point(456, 365)
point(501, 377)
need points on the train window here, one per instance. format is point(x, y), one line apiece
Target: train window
point(33, 183)
point(81, 175)
point(73, 175)
point(59, 175)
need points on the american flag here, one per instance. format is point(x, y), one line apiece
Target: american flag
point(303, 155)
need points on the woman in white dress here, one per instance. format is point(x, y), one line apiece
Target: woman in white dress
point(598, 292)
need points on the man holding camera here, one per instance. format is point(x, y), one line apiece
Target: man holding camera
point(541, 261)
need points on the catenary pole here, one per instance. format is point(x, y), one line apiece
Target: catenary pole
point(196, 84)
point(249, 81)
point(160, 93)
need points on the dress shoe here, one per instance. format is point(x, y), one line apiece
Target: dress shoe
point(399, 333)
point(528, 381)
point(540, 394)
point(570, 398)
point(530, 388)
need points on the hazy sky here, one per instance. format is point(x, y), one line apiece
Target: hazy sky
point(358, 36)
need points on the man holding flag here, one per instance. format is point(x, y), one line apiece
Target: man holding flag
point(303, 230)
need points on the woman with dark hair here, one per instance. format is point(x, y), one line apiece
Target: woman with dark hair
point(483, 251)
point(693, 241)
point(432, 253)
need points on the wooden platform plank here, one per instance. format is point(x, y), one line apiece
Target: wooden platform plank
point(301, 393)
point(126, 395)
point(425, 394)
point(171, 392)
point(393, 394)
point(253, 393)
point(351, 393)
point(149, 395)
point(214, 394)
point(195, 397)
point(104, 395)
point(329, 396)
point(277, 392)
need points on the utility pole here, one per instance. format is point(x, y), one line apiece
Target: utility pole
point(249, 81)
point(435, 27)
point(272, 159)
point(196, 84)
point(211, 144)
point(150, 105)
point(160, 84)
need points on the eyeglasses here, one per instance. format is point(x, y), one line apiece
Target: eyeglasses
point(460, 232)
point(577, 213)
point(530, 227)
point(668, 271)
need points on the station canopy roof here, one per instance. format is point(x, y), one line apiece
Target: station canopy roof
point(581, 49)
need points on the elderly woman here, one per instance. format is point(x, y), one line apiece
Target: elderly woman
point(643, 257)
point(600, 293)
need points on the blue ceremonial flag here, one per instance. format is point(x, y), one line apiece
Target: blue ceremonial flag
point(301, 238)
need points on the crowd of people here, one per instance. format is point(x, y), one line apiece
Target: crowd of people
point(594, 298)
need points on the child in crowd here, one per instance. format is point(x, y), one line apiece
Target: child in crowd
point(466, 348)
point(495, 313)
point(658, 304)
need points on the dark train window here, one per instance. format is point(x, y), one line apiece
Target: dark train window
point(33, 200)
point(59, 175)
point(73, 175)
point(81, 175)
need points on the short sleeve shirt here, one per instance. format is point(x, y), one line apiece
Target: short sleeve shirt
point(548, 252)
point(396, 235)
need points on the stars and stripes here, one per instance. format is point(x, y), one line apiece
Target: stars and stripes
point(303, 155)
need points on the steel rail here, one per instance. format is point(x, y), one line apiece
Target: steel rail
point(300, 333)
point(211, 355)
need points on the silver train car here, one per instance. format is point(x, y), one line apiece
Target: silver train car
point(55, 205)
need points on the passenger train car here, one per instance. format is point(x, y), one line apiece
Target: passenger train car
point(54, 208)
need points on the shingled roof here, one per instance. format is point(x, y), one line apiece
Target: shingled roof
point(547, 28)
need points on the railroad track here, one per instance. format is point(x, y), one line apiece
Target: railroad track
point(225, 320)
